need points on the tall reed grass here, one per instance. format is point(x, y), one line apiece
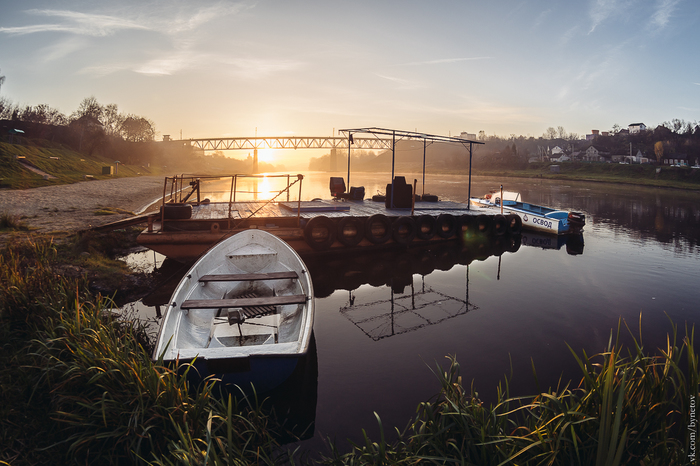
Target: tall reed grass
point(628, 408)
point(107, 401)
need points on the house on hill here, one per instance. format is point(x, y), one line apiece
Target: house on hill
point(636, 127)
point(594, 154)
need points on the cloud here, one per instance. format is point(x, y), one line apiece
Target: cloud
point(602, 10)
point(444, 60)
point(243, 68)
point(663, 12)
point(77, 23)
point(402, 83)
point(62, 48)
point(100, 25)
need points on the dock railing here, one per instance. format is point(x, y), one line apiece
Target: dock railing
point(180, 189)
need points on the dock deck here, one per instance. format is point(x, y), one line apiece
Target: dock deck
point(321, 225)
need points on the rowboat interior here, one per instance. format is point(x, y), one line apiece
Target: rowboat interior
point(250, 300)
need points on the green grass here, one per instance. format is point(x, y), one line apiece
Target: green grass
point(643, 175)
point(66, 165)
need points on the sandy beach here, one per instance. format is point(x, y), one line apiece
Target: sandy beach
point(73, 207)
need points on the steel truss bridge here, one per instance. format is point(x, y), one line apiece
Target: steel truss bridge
point(293, 142)
point(383, 138)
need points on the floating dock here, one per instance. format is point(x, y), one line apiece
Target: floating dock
point(184, 230)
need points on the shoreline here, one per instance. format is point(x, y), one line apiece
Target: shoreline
point(68, 208)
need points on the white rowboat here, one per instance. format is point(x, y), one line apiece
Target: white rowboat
point(243, 313)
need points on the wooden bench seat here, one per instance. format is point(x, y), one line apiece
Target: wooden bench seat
point(246, 277)
point(243, 302)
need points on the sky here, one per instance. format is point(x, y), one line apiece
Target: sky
point(308, 68)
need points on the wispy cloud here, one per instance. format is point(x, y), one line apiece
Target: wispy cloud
point(76, 23)
point(100, 25)
point(402, 83)
point(62, 48)
point(663, 12)
point(444, 60)
point(602, 10)
point(240, 67)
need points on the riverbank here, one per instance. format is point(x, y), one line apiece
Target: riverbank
point(67, 208)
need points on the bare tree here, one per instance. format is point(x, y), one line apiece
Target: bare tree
point(137, 129)
point(561, 132)
point(551, 133)
point(89, 108)
point(112, 119)
point(44, 114)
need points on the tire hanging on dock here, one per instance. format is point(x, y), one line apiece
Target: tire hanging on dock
point(466, 226)
point(378, 229)
point(483, 224)
point(403, 230)
point(351, 230)
point(425, 227)
point(446, 226)
point(500, 225)
point(319, 233)
point(515, 224)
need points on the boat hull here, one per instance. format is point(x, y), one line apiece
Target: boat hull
point(243, 313)
point(536, 218)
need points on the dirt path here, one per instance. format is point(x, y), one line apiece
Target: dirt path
point(72, 207)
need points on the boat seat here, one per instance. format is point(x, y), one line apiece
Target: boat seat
point(243, 277)
point(243, 302)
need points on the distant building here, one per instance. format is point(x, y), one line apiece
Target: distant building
point(557, 151)
point(637, 127)
point(594, 154)
point(677, 160)
point(465, 135)
point(594, 134)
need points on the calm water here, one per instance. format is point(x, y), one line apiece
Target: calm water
point(384, 320)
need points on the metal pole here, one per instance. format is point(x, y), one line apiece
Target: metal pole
point(349, 144)
point(393, 156)
point(501, 201)
point(470, 177)
point(425, 142)
point(301, 179)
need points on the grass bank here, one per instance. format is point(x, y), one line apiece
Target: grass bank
point(643, 175)
point(65, 165)
point(78, 385)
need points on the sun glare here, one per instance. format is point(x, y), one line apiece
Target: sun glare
point(266, 155)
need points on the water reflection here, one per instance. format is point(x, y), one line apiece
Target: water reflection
point(405, 312)
point(572, 243)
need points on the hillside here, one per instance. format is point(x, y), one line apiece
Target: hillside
point(61, 164)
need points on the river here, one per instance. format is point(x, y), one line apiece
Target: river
point(384, 321)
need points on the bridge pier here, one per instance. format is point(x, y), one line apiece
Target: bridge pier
point(334, 160)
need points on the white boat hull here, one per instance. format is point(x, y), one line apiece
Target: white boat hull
point(534, 217)
point(243, 313)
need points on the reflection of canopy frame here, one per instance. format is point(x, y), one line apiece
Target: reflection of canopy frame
point(409, 135)
point(389, 321)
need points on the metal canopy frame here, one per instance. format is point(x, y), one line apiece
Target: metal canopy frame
point(408, 135)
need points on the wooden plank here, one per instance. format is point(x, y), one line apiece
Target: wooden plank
point(246, 277)
point(243, 302)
